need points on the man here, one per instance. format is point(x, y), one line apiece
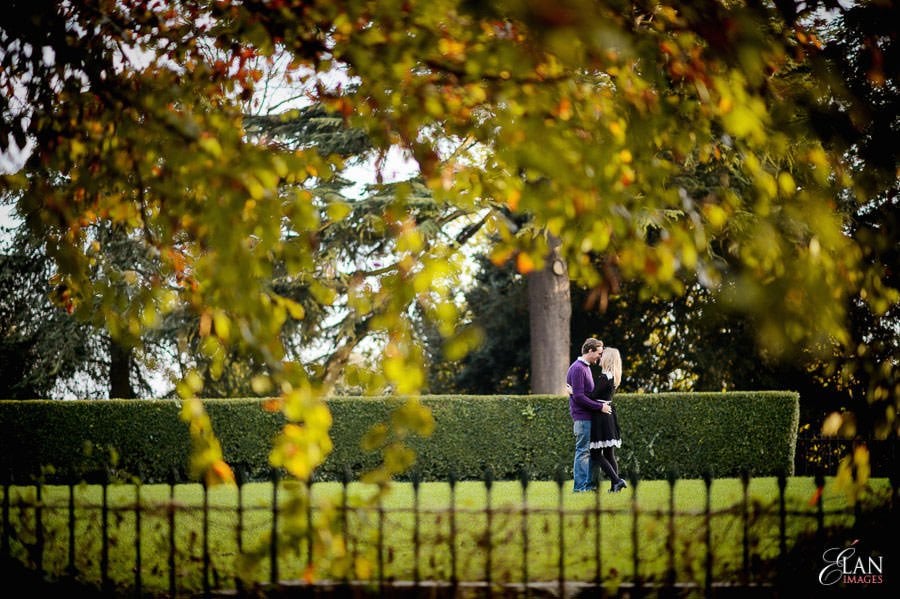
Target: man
point(581, 381)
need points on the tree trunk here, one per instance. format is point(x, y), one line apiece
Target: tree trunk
point(550, 313)
point(120, 371)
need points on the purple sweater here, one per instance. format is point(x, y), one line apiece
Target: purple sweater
point(580, 405)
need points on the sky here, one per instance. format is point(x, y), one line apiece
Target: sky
point(10, 162)
point(6, 218)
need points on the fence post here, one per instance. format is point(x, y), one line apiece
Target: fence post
point(173, 477)
point(745, 528)
point(39, 526)
point(310, 538)
point(104, 526)
point(345, 529)
point(71, 570)
point(598, 547)
point(635, 532)
point(273, 544)
point(205, 535)
point(138, 578)
point(707, 481)
point(5, 549)
point(670, 537)
point(562, 535)
point(489, 542)
point(523, 480)
point(820, 508)
point(239, 479)
point(782, 525)
point(452, 481)
point(380, 544)
point(415, 487)
point(782, 516)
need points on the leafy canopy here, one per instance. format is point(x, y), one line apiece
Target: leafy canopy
point(579, 114)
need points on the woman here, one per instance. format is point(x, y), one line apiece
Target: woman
point(605, 433)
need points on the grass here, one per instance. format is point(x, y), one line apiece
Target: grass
point(601, 535)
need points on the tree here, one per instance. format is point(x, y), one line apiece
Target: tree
point(550, 312)
point(858, 60)
point(579, 114)
point(44, 350)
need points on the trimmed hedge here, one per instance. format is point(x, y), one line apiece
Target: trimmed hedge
point(684, 434)
point(143, 438)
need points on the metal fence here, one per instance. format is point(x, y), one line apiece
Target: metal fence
point(646, 540)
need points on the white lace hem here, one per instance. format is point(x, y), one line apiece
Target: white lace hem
point(613, 443)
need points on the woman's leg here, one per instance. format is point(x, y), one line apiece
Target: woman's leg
point(608, 469)
point(609, 457)
point(610, 454)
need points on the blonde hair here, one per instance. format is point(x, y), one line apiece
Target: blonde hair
point(611, 361)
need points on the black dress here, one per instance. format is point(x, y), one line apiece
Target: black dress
point(604, 427)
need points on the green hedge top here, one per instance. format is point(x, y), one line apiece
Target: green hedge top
point(685, 434)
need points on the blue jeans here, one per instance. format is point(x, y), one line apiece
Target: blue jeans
point(582, 469)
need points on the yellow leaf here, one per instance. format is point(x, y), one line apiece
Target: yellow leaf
point(716, 216)
point(149, 316)
point(318, 418)
point(260, 384)
point(375, 437)
point(211, 146)
point(338, 211)
point(222, 324)
point(194, 381)
point(832, 424)
point(451, 48)
point(786, 184)
point(501, 255)
point(294, 309)
point(78, 149)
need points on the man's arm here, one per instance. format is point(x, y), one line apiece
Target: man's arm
point(579, 395)
point(602, 387)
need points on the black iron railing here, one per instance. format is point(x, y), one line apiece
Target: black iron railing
point(511, 545)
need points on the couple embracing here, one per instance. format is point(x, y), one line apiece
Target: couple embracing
point(596, 426)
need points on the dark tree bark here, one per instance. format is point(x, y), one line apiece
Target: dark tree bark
point(120, 358)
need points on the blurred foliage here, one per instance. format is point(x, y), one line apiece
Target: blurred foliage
point(497, 303)
point(583, 115)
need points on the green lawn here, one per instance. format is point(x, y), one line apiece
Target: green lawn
point(593, 545)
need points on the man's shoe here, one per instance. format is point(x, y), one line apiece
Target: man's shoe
point(618, 486)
